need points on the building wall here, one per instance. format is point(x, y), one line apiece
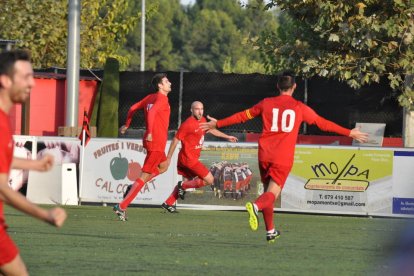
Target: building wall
point(48, 106)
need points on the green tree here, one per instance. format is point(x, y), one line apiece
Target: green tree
point(214, 37)
point(353, 41)
point(160, 29)
point(203, 37)
point(218, 36)
point(41, 27)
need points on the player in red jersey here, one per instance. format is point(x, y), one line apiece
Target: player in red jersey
point(195, 174)
point(16, 83)
point(281, 116)
point(157, 117)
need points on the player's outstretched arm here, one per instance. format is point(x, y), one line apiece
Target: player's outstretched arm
point(220, 134)
point(212, 124)
point(55, 216)
point(42, 165)
point(356, 134)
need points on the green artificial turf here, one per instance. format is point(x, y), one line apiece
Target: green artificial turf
point(194, 242)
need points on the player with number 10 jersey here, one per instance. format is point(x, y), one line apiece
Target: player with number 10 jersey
point(281, 116)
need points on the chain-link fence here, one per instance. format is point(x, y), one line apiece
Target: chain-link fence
point(225, 94)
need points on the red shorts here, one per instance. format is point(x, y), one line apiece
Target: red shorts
point(227, 184)
point(152, 160)
point(196, 169)
point(8, 250)
point(278, 173)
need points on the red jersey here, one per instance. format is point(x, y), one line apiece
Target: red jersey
point(157, 118)
point(281, 117)
point(6, 153)
point(192, 138)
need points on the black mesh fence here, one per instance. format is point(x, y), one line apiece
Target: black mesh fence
point(225, 94)
point(336, 101)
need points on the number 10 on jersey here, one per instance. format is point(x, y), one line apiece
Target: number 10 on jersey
point(287, 120)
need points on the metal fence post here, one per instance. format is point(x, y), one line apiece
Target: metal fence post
point(180, 98)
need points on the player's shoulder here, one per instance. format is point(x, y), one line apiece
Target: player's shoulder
point(187, 122)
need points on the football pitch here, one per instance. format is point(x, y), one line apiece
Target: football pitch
point(198, 242)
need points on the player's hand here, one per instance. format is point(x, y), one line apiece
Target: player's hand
point(212, 124)
point(149, 137)
point(232, 139)
point(123, 129)
point(45, 163)
point(356, 134)
point(56, 216)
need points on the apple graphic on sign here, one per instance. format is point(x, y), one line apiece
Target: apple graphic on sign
point(134, 170)
point(119, 167)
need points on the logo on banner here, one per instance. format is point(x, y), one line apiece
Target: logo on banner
point(341, 181)
point(120, 168)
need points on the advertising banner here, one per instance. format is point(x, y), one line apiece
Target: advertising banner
point(403, 188)
point(23, 148)
point(327, 179)
point(110, 165)
point(236, 175)
point(344, 180)
point(63, 149)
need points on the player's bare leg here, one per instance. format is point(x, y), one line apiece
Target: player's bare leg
point(15, 267)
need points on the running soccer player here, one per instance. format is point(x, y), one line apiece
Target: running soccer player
point(281, 116)
point(157, 118)
point(195, 174)
point(16, 83)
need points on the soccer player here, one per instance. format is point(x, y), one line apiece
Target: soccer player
point(16, 83)
point(157, 117)
point(195, 174)
point(281, 116)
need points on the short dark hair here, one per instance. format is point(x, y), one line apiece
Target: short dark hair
point(286, 81)
point(9, 58)
point(157, 79)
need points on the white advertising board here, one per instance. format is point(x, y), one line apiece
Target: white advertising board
point(110, 165)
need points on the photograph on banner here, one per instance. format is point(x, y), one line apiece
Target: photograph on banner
point(23, 146)
point(63, 149)
point(236, 175)
point(344, 180)
point(110, 165)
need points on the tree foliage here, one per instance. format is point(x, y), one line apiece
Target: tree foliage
point(354, 41)
point(217, 40)
point(209, 36)
point(162, 19)
point(41, 27)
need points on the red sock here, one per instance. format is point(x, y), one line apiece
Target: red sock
point(194, 183)
point(267, 199)
point(136, 187)
point(173, 197)
point(268, 218)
